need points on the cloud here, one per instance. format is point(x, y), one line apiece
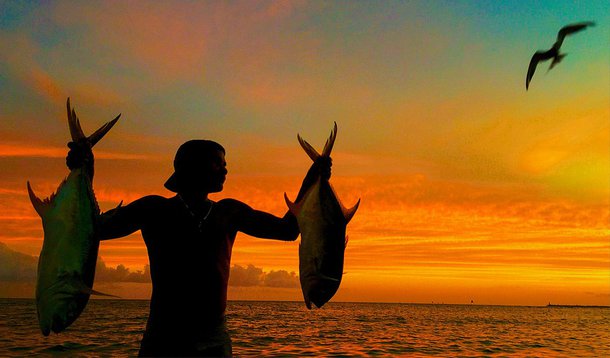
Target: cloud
point(18, 53)
point(26, 61)
point(240, 276)
point(15, 266)
point(27, 150)
point(281, 278)
point(19, 267)
point(184, 42)
point(45, 85)
point(173, 50)
point(254, 276)
point(104, 273)
point(246, 276)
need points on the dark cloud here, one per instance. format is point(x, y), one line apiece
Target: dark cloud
point(15, 266)
point(121, 273)
point(18, 267)
point(246, 276)
point(281, 278)
point(254, 276)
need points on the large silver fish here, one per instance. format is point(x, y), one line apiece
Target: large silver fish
point(66, 266)
point(322, 221)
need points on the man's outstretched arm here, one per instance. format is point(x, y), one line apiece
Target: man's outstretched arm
point(125, 220)
point(264, 225)
point(115, 223)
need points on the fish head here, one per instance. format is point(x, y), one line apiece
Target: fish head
point(319, 290)
point(56, 314)
point(59, 306)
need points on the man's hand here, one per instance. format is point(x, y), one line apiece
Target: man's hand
point(321, 168)
point(323, 165)
point(80, 155)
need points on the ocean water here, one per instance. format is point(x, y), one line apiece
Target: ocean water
point(288, 329)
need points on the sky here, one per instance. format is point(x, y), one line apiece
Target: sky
point(471, 188)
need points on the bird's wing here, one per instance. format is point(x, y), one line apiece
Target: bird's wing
point(570, 29)
point(538, 56)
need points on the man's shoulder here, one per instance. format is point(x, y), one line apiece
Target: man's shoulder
point(232, 205)
point(153, 200)
point(229, 202)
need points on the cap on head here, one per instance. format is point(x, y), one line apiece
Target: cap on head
point(189, 160)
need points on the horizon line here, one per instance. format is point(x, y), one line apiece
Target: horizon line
point(550, 305)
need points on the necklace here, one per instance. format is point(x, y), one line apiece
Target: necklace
point(200, 221)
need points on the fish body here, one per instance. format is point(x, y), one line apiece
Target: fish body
point(66, 266)
point(322, 220)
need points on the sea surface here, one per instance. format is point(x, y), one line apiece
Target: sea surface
point(287, 329)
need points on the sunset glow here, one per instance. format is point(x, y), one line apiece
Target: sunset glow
point(471, 187)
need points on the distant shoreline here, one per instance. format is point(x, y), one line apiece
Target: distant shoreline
point(359, 302)
point(574, 306)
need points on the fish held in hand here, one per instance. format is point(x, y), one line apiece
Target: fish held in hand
point(322, 220)
point(66, 266)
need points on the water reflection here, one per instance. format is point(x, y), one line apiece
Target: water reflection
point(114, 327)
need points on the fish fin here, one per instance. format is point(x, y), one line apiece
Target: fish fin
point(78, 285)
point(311, 151)
point(98, 134)
point(324, 277)
point(330, 142)
point(76, 132)
point(83, 288)
point(349, 213)
point(112, 212)
point(98, 293)
point(39, 205)
point(293, 207)
point(89, 291)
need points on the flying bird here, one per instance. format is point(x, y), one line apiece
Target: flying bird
point(553, 52)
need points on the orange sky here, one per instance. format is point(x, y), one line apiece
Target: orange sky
point(471, 187)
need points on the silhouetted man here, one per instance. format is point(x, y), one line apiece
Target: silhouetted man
point(189, 240)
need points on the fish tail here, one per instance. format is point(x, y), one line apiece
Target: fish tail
point(330, 142)
point(76, 131)
point(98, 134)
point(311, 152)
point(328, 147)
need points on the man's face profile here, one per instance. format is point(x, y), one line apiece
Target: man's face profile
point(199, 166)
point(216, 172)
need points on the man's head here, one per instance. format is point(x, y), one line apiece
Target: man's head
point(199, 165)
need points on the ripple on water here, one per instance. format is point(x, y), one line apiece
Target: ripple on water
point(280, 329)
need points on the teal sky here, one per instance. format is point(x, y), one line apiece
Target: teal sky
point(181, 69)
